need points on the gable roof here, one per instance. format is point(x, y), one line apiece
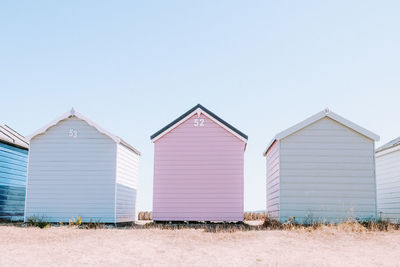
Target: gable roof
point(73, 113)
point(325, 113)
point(388, 145)
point(199, 109)
point(11, 137)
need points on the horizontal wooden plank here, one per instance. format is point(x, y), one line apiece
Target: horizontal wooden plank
point(310, 203)
point(175, 159)
point(326, 173)
point(198, 205)
point(6, 170)
point(198, 185)
point(328, 179)
point(328, 187)
point(326, 152)
point(81, 194)
point(88, 207)
point(22, 161)
point(198, 191)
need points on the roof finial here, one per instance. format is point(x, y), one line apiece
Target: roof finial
point(72, 111)
point(198, 111)
point(327, 111)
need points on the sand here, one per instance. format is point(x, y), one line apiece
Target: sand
point(66, 246)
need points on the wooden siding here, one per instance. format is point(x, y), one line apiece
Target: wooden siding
point(13, 164)
point(388, 185)
point(198, 174)
point(327, 173)
point(127, 182)
point(70, 177)
point(273, 181)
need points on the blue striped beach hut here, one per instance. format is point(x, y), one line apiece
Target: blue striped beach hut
point(13, 170)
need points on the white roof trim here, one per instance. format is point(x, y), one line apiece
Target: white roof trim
point(318, 116)
point(387, 151)
point(199, 111)
point(73, 113)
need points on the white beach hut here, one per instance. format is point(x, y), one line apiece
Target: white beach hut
point(388, 180)
point(76, 168)
point(322, 169)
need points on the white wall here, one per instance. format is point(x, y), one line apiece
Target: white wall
point(70, 177)
point(273, 181)
point(328, 173)
point(127, 182)
point(388, 184)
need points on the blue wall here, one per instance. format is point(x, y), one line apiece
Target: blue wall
point(13, 169)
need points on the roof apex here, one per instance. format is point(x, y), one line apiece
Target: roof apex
point(190, 113)
point(74, 113)
point(322, 114)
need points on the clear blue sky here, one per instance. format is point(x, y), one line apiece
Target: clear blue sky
point(134, 66)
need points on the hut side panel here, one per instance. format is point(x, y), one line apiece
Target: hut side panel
point(127, 182)
point(198, 173)
point(13, 164)
point(72, 175)
point(388, 185)
point(327, 173)
point(273, 181)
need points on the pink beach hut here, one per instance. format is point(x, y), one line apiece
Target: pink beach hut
point(198, 169)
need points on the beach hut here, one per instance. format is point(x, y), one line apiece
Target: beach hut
point(76, 168)
point(198, 169)
point(13, 164)
point(388, 180)
point(321, 170)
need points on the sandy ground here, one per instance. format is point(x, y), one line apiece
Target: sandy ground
point(65, 246)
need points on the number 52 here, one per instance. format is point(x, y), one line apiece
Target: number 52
point(198, 122)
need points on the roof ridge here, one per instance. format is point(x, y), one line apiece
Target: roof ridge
point(74, 113)
point(322, 114)
point(170, 125)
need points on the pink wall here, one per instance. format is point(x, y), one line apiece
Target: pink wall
point(198, 174)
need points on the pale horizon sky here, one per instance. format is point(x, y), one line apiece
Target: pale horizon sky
point(263, 66)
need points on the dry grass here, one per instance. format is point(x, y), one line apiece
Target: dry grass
point(351, 225)
point(254, 216)
point(248, 216)
point(145, 216)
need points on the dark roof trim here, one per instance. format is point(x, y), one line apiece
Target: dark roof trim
point(13, 138)
point(206, 111)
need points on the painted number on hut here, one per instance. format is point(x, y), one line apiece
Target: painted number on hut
point(73, 133)
point(198, 122)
